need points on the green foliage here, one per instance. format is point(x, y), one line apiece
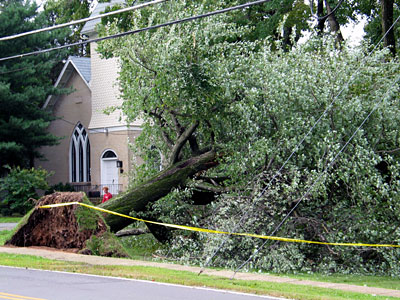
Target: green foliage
point(87, 218)
point(142, 246)
point(18, 189)
point(64, 11)
point(106, 245)
point(255, 105)
point(60, 187)
point(357, 199)
point(25, 83)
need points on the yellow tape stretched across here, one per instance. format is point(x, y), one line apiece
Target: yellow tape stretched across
point(266, 237)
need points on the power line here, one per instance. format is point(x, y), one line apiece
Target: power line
point(127, 9)
point(15, 70)
point(216, 12)
point(326, 16)
point(293, 152)
point(92, 130)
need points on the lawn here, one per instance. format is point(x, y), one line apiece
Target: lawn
point(142, 247)
point(10, 219)
point(187, 278)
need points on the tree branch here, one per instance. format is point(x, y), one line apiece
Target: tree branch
point(181, 142)
point(211, 188)
point(132, 231)
point(163, 123)
point(178, 127)
point(141, 62)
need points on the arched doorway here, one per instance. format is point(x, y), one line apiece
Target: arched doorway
point(109, 171)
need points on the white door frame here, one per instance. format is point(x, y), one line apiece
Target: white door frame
point(102, 171)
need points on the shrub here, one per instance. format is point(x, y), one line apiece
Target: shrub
point(18, 189)
point(60, 187)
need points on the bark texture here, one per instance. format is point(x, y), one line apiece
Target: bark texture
point(136, 199)
point(387, 22)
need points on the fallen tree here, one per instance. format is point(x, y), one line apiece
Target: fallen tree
point(155, 188)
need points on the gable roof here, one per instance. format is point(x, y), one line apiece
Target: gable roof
point(81, 65)
point(89, 27)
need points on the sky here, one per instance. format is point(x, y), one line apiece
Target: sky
point(353, 32)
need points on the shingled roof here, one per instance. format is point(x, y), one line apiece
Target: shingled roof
point(81, 65)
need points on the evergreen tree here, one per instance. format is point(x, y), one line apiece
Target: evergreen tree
point(25, 84)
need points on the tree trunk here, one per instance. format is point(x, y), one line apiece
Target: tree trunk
point(387, 22)
point(334, 24)
point(320, 13)
point(155, 188)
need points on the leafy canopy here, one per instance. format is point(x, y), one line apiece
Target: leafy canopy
point(254, 105)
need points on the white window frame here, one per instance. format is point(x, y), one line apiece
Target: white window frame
point(74, 142)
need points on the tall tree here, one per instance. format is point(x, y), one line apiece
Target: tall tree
point(63, 11)
point(25, 83)
point(227, 112)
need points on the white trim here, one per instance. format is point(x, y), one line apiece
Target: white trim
point(69, 61)
point(77, 140)
point(113, 129)
point(102, 168)
point(57, 83)
point(80, 74)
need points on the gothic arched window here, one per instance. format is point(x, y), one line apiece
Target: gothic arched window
point(79, 155)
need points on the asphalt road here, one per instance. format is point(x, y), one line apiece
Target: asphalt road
point(21, 284)
point(7, 226)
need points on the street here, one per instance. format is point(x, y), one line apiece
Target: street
point(19, 283)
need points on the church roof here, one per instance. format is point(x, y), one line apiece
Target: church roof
point(81, 65)
point(89, 27)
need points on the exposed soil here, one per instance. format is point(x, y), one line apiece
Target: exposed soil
point(56, 227)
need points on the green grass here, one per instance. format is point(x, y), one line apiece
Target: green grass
point(386, 282)
point(10, 219)
point(186, 278)
point(5, 235)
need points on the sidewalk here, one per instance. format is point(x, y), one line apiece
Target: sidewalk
point(96, 260)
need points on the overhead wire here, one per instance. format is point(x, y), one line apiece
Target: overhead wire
point(120, 11)
point(192, 18)
point(92, 130)
point(330, 105)
point(327, 15)
point(15, 70)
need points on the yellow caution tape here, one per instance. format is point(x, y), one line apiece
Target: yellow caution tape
point(266, 237)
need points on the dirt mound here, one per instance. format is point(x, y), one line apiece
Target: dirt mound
point(67, 227)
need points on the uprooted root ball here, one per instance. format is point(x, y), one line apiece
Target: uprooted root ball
point(66, 227)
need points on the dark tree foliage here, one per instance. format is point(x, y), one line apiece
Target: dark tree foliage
point(25, 84)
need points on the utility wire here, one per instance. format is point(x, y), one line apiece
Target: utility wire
point(330, 105)
point(91, 130)
point(120, 11)
point(293, 152)
point(15, 70)
point(322, 173)
point(212, 13)
point(326, 16)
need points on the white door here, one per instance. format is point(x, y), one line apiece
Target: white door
point(109, 175)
